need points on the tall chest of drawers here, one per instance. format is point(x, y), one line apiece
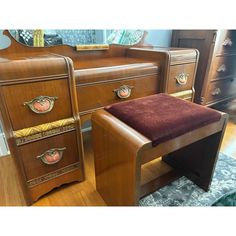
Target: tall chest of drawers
point(221, 80)
point(216, 76)
point(40, 116)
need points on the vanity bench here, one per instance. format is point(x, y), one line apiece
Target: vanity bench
point(127, 135)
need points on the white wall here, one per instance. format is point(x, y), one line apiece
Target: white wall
point(161, 38)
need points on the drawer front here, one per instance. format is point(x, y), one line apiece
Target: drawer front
point(221, 89)
point(98, 95)
point(48, 155)
point(181, 78)
point(226, 41)
point(37, 103)
point(223, 66)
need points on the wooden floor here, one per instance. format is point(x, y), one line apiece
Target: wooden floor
point(85, 194)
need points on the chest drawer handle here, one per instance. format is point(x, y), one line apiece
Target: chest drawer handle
point(41, 104)
point(222, 68)
point(182, 78)
point(227, 42)
point(123, 91)
point(52, 156)
point(216, 92)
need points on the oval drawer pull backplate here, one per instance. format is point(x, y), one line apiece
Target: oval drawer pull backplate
point(182, 78)
point(52, 156)
point(123, 91)
point(41, 104)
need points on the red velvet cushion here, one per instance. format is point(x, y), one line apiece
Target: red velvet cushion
point(162, 117)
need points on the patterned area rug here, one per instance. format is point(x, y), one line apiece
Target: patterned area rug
point(227, 200)
point(183, 192)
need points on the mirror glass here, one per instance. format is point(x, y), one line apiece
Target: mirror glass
point(50, 37)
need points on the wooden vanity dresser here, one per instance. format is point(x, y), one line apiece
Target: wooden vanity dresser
point(48, 93)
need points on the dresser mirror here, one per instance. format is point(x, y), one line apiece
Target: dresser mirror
point(78, 38)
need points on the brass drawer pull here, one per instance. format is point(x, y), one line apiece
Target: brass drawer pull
point(227, 42)
point(222, 68)
point(52, 156)
point(216, 92)
point(182, 78)
point(41, 104)
point(123, 91)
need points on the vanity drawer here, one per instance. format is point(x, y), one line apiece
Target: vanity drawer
point(221, 89)
point(38, 160)
point(223, 66)
point(93, 96)
point(49, 102)
point(226, 42)
point(181, 77)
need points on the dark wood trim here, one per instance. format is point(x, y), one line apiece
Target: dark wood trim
point(159, 182)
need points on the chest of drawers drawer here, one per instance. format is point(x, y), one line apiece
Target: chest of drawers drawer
point(181, 77)
point(223, 66)
point(226, 43)
point(93, 96)
point(220, 89)
point(48, 155)
point(31, 104)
